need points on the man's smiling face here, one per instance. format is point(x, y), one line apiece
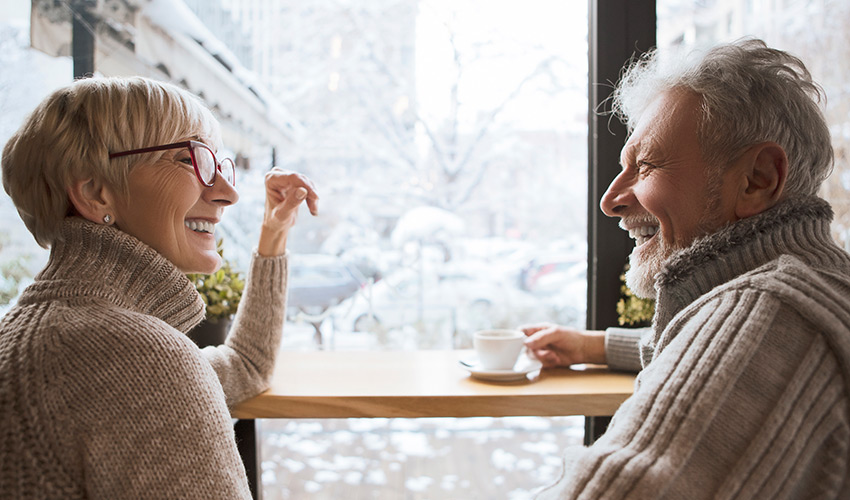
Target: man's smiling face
point(664, 195)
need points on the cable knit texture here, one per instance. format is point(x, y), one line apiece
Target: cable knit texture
point(622, 348)
point(744, 390)
point(102, 395)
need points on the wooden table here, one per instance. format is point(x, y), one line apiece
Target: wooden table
point(411, 384)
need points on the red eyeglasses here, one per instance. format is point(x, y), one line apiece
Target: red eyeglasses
point(203, 160)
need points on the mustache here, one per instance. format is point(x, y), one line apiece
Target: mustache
point(638, 220)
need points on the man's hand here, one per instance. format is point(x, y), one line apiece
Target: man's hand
point(284, 193)
point(556, 345)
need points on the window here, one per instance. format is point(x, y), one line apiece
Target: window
point(442, 135)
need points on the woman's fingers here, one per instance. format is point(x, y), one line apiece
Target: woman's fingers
point(289, 201)
point(313, 202)
point(286, 190)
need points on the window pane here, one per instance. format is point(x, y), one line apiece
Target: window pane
point(448, 142)
point(816, 31)
point(27, 77)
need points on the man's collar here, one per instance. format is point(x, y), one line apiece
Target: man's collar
point(796, 226)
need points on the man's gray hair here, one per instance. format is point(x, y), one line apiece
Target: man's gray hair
point(750, 93)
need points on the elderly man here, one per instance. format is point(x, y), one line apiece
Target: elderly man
point(746, 369)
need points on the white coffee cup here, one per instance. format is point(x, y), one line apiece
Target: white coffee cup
point(498, 349)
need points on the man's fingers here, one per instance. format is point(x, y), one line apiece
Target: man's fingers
point(529, 330)
point(541, 338)
point(547, 358)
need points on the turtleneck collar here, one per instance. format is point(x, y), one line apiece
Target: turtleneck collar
point(93, 261)
point(796, 226)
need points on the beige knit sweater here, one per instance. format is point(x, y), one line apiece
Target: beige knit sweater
point(744, 392)
point(102, 396)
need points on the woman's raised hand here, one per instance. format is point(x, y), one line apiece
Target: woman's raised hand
point(284, 193)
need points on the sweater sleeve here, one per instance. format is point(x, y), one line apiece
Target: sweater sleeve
point(746, 396)
point(622, 348)
point(147, 418)
point(245, 362)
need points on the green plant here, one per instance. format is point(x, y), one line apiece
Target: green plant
point(632, 310)
point(14, 269)
point(221, 290)
point(12, 274)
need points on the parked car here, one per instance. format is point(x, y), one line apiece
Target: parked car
point(548, 275)
point(462, 297)
point(559, 282)
point(318, 281)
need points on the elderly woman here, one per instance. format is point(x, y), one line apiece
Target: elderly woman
point(102, 395)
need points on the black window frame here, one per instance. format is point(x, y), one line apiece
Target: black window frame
point(618, 31)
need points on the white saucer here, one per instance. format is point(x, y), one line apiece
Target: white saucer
point(520, 371)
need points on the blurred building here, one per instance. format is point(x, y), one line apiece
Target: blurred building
point(814, 30)
point(347, 70)
point(166, 40)
point(701, 22)
point(338, 67)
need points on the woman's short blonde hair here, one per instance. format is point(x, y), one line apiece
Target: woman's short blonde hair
point(69, 136)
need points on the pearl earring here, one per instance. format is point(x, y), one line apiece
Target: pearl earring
point(107, 219)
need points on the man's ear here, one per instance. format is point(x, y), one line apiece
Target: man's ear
point(764, 169)
point(92, 200)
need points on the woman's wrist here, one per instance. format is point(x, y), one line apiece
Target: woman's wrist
point(272, 243)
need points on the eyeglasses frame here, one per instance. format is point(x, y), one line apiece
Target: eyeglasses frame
point(190, 145)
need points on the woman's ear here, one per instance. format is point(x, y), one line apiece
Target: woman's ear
point(92, 200)
point(764, 171)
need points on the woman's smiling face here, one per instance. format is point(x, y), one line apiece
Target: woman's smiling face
point(170, 210)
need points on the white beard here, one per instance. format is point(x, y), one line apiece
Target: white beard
point(640, 278)
point(645, 265)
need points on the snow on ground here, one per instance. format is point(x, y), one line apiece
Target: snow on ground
point(428, 458)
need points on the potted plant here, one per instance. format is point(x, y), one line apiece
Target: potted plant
point(221, 292)
point(633, 311)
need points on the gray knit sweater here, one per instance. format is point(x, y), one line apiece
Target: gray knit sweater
point(101, 393)
point(744, 392)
